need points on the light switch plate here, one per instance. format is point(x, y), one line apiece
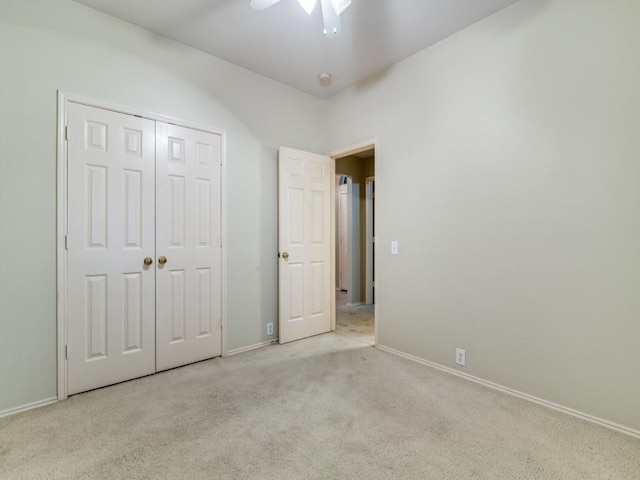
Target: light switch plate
point(394, 247)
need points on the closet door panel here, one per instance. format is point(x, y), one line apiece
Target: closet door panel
point(188, 297)
point(110, 231)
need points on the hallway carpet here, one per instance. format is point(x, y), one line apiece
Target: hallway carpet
point(328, 407)
point(357, 322)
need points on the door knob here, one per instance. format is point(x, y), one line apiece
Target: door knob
point(285, 255)
point(162, 260)
point(148, 261)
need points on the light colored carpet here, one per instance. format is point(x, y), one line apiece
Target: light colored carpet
point(329, 407)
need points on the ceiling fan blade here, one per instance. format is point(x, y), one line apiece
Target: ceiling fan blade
point(262, 4)
point(308, 5)
point(340, 5)
point(332, 25)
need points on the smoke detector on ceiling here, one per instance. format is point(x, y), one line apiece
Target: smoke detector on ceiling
point(325, 79)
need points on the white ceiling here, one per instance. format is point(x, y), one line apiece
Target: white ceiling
point(285, 44)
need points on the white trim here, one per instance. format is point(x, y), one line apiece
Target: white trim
point(158, 117)
point(354, 149)
point(369, 235)
point(236, 351)
point(357, 304)
point(223, 233)
point(64, 98)
point(333, 233)
point(525, 396)
point(27, 407)
point(61, 257)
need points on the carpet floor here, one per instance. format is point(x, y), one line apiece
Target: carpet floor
point(328, 407)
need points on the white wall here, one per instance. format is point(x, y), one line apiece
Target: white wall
point(516, 144)
point(47, 45)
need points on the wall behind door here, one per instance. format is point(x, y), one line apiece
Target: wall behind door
point(47, 45)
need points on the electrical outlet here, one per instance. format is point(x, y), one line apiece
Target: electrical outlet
point(461, 357)
point(270, 328)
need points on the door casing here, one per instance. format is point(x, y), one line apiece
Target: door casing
point(334, 155)
point(61, 221)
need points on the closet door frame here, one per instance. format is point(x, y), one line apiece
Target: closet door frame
point(64, 98)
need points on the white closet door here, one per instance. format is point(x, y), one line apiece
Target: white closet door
point(188, 295)
point(111, 208)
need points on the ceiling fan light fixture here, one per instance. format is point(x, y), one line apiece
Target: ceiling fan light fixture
point(308, 5)
point(331, 10)
point(330, 19)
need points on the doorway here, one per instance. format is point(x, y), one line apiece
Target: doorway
point(355, 266)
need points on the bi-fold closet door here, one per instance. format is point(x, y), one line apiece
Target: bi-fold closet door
point(144, 259)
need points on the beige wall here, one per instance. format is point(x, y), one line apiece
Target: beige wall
point(47, 45)
point(508, 168)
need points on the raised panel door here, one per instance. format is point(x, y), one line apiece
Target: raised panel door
point(304, 230)
point(188, 297)
point(110, 230)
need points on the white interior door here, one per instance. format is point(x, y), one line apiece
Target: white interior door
point(304, 237)
point(188, 297)
point(110, 231)
point(343, 217)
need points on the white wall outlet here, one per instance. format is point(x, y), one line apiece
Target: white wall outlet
point(461, 357)
point(270, 328)
point(394, 247)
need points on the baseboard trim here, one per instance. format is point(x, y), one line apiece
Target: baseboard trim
point(29, 406)
point(250, 347)
point(525, 396)
point(357, 304)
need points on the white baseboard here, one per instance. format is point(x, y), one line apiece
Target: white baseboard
point(525, 396)
point(250, 347)
point(354, 304)
point(30, 406)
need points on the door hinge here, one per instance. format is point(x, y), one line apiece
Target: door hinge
point(66, 242)
point(66, 352)
point(373, 284)
point(66, 132)
point(373, 239)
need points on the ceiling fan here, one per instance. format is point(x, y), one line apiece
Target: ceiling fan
point(331, 10)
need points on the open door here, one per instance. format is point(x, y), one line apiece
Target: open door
point(304, 244)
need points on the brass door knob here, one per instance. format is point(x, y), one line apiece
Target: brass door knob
point(162, 260)
point(148, 261)
point(285, 255)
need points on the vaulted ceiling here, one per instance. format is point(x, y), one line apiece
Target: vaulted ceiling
point(287, 45)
